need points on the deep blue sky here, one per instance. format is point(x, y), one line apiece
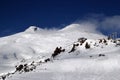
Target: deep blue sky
point(17, 15)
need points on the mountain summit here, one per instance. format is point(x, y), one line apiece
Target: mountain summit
point(33, 29)
point(72, 53)
point(84, 27)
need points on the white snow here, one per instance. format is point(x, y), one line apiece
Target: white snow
point(82, 64)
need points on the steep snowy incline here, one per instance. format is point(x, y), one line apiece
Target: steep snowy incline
point(35, 43)
point(98, 62)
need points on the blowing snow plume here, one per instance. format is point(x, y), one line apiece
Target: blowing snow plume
point(100, 24)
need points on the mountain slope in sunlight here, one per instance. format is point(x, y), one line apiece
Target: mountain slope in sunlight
point(95, 58)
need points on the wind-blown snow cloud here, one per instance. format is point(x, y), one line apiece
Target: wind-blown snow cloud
point(83, 27)
point(101, 23)
point(94, 23)
point(112, 23)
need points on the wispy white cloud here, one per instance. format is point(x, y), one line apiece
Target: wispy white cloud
point(102, 23)
point(112, 23)
point(94, 23)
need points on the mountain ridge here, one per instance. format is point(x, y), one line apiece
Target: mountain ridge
point(35, 45)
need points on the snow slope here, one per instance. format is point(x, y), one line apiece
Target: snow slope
point(35, 44)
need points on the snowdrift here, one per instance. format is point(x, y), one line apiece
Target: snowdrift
point(95, 58)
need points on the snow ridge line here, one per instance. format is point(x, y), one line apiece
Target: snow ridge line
point(30, 67)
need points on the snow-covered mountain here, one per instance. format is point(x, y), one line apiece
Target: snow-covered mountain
point(88, 54)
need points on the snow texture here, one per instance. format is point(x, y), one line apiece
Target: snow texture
point(101, 61)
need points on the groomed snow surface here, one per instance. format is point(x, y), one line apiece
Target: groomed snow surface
point(35, 44)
